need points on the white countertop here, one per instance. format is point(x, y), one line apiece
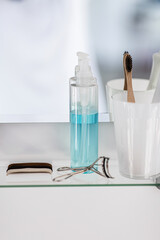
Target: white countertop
point(78, 212)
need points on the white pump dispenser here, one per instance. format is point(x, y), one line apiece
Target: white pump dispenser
point(84, 73)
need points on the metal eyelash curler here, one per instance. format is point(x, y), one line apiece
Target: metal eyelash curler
point(104, 164)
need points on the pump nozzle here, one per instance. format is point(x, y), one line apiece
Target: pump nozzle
point(84, 75)
point(82, 56)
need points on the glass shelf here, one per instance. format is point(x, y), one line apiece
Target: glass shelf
point(44, 118)
point(81, 180)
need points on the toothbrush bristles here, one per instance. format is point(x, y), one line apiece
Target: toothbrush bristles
point(129, 63)
point(126, 52)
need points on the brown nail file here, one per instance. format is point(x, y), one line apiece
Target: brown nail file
point(33, 167)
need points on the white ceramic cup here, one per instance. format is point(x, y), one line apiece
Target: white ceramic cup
point(137, 133)
point(116, 86)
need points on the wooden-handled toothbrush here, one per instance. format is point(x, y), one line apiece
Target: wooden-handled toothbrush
point(127, 63)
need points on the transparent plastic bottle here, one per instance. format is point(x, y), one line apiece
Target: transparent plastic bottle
point(83, 115)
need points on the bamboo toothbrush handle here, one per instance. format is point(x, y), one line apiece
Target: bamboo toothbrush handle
point(130, 95)
point(125, 82)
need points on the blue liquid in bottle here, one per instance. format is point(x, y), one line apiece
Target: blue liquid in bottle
point(84, 139)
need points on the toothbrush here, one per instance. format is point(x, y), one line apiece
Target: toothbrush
point(155, 72)
point(128, 74)
point(125, 79)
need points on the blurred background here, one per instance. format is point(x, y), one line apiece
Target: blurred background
point(39, 40)
point(125, 25)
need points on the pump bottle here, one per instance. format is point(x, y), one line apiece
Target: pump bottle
point(83, 115)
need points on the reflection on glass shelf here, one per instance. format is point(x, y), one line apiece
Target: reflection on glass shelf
point(45, 180)
point(43, 118)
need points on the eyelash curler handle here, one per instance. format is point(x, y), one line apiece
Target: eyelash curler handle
point(68, 175)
